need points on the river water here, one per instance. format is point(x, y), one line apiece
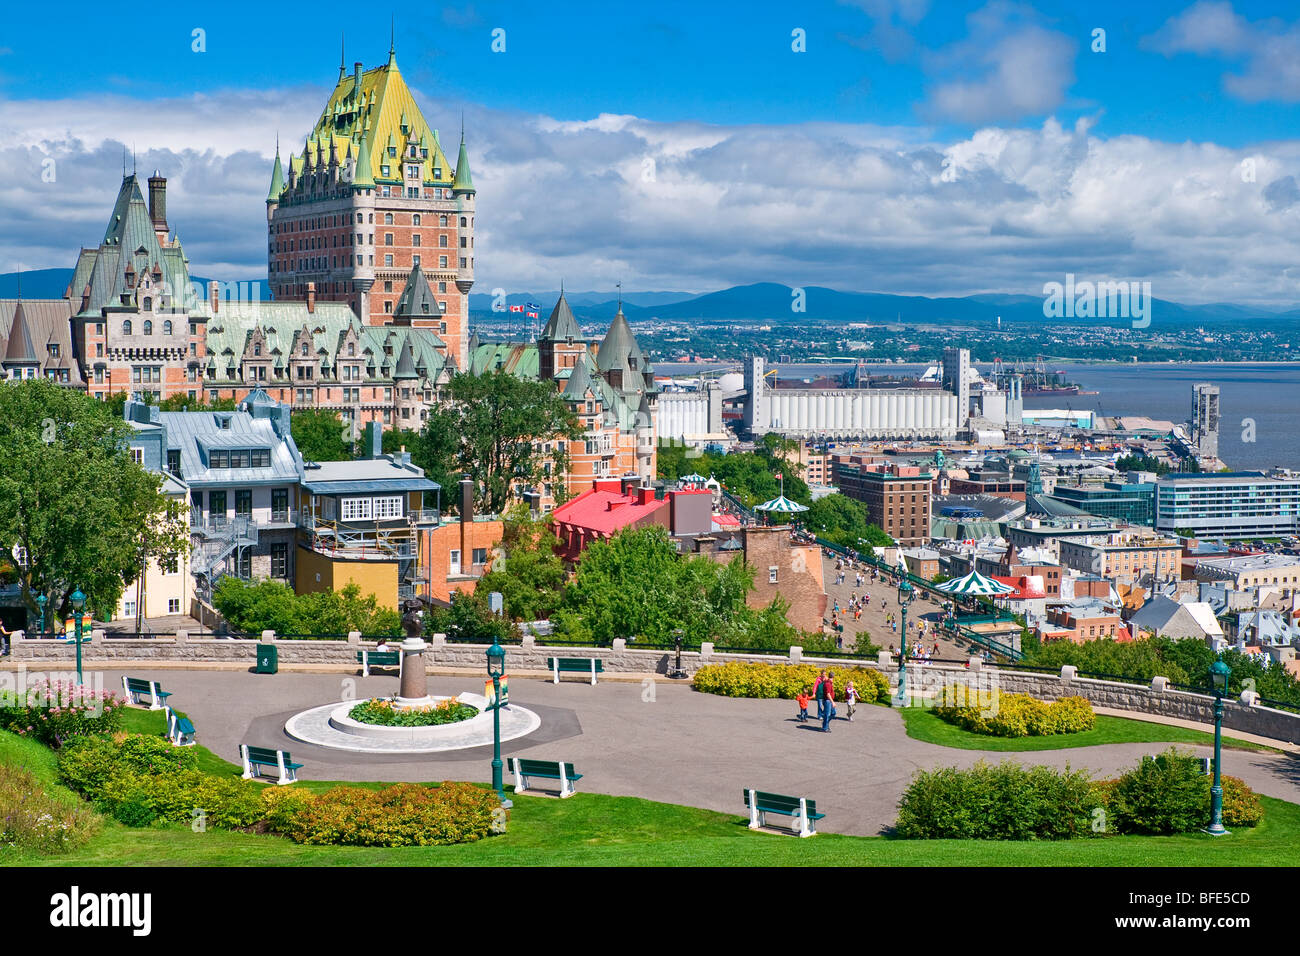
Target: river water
point(1259, 403)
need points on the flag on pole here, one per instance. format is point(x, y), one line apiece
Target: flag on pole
point(533, 315)
point(534, 306)
point(516, 308)
point(778, 476)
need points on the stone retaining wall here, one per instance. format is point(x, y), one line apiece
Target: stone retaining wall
point(1245, 715)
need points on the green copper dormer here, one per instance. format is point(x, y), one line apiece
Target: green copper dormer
point(277, 180)
point(463, 183)
point(363, 178)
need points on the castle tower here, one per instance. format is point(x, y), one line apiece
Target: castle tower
point(370, 197)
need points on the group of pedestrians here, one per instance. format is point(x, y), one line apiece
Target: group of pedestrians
point(823, 692)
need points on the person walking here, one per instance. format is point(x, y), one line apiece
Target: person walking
point(851, 698)
point(828, 709)
point(819, 692)
point(802, 699)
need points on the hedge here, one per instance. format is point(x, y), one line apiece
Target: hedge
point(743, 679)
point(405, 814)
point(1003, 802)
point(1169, 794)
point(1020, 715)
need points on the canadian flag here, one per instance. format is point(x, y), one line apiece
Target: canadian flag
point(778, 476)
point(516, 308)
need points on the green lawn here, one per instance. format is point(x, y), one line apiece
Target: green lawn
point(922, 724)
point(597, 830)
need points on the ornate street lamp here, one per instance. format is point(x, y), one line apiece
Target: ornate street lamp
point(41, 601)
point(78, 602)
point(905, 595)
point(496, 661)
point(1219, 673)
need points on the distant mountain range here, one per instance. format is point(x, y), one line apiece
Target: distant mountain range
point(769, 301)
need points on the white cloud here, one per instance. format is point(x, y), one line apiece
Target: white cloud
point(1268, 50)
point(849, 206)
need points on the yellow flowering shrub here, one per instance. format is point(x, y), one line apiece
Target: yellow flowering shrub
point(746, 679)
point(1018, 715)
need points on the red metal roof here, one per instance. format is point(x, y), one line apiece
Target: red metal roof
point(605, 512)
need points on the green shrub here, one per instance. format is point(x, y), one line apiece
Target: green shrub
point(1018, 715)
point(31, 819)
point(1166, 794)
point(1003, 802)
point(743, 679)
point(1170, 794)
point(384, 714)
point(54, 713)
point(87, 763)
point(402, 815)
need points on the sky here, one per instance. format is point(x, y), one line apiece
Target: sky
point(907, 146)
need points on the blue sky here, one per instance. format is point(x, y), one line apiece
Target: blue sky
point(825, 165)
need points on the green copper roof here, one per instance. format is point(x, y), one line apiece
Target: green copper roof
point(277, 180)
point(462, 183)
point(561, 325)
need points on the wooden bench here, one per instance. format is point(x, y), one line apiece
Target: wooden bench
point(547, 769)
point(369, 659)
point(180, 731)
point(575, 665)
point(801, 811)
point(255, 758)
point(137, 690)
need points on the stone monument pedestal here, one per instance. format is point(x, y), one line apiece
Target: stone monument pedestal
point(413, 688)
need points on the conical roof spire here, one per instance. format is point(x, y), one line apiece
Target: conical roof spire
point(20, 347)
point(463, 183)
point(561, 325)
point(277, 178)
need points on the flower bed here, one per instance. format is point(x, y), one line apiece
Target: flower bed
point(53, 713)
point(383, 713)
point(741, 679)
point(1018, 715)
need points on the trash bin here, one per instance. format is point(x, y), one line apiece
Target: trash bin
point(268, 659)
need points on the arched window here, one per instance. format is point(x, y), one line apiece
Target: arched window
point(148, 304)
point(442, 220)
point(126, 327)
point(415, 220)
point(148, 327)
point(462, 222)
point(167, 327)
point(388, 219)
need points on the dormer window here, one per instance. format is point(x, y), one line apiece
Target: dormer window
point(148, 304)
point(257, 348)
point(305, 352)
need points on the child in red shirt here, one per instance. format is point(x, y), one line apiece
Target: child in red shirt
point(802, 699)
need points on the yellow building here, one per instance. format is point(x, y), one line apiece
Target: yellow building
point(162, 591)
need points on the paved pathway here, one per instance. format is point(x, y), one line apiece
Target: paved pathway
point(681, 747)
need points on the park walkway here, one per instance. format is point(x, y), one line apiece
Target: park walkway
point(673, 745)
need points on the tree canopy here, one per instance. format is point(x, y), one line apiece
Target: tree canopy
point(267, 604)
point(82, 512)
point(529, 575)
point(493, 427)
point(319, 435)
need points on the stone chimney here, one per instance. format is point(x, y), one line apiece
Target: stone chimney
point(356, 79)
point(214, 296)
point(158, 203)
point(311, 297)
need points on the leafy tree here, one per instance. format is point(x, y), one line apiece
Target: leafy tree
point(530, 576)
point(250, 607)
point(843, 521)
point(319, 435)
point(397, 438)
point(492, 427)
point(72, 499)
point(469, 619)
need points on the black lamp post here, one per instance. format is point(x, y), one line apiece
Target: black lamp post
point(496, 658)
point(905, 594)
point(1219, 673)
point(41, 601)
point(678, 673)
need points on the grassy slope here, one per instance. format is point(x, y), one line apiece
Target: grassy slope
point(592, 829)
point(923, 725)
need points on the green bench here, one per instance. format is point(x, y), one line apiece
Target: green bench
point(801, 811)
point(575, 665)
point(180, 731)
point(369, 659)
point(137, 690)
point(546, 769)
point(257, 758)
